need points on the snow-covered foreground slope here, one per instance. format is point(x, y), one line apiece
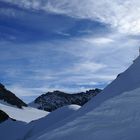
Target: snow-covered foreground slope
point(114, 114)
point(12, 130)
point(53, 118)
point(27, 114)
point(16, 130)
point(116, 119)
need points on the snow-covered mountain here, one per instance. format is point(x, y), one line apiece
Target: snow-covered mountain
point(114, 114)
point(16, 109)
point(26, 114)
point(10, 98)
point(53, 100)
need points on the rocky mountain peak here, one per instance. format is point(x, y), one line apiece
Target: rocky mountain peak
point(56, 99)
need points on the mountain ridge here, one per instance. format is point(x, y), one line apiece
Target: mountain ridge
point(10, 98)
point(56, 99)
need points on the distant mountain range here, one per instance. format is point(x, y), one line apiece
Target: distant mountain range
point(56, 99)
point(13, 107)
point(10, 98)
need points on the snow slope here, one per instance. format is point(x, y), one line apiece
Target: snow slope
point(54, 117)
point(16, 130)
point(116, 119)
point(26, 114)
point(113, 114)
point(12, 130)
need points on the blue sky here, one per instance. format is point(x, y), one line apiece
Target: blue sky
point(75, 45)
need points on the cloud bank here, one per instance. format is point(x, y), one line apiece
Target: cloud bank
point(69, 45)
point(122, 15)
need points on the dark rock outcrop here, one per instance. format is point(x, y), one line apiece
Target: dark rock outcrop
point(10, 98)
point(53, 100)
point(3, 116)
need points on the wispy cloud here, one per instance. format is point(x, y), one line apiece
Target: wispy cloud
point(85, 44)
point(68, 65)
point(114, 13)
point(102, 40)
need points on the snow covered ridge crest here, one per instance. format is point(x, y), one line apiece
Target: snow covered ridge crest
point(56, 99)
point(10, 98)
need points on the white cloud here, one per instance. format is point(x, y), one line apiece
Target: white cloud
point(87, 66)
point(96, 59)
point(123, 15)
point(99, 41)
point(62, 33)
point(92, 64)
point(113, 12)
point(22, 91)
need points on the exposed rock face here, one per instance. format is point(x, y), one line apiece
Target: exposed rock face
point(10, 98)
point(3, 116)
point(53, 100)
